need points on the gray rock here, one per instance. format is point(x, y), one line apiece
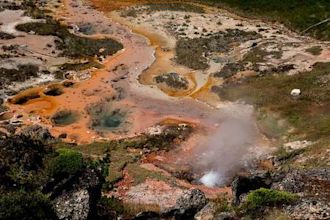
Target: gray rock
point(191, 200)
point(73, 205)
point(206, 213)
point(309, 209)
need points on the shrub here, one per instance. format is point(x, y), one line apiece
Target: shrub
point(268, 197)
point(22, 205)
point(66, 163)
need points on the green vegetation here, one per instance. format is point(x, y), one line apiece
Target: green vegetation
point(309, 112)
point(316, 50)
point(72, 45)
point(80, 66)
point(268, 197)
point(222, 204)
point(68, 162)
point(173, 80)
point(140, 174)
point(191, 52)
point(296, 14)
point(21, 74)
point(172, 6)
point(259, 55)
point(25, 206)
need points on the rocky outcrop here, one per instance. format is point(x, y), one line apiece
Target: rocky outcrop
point(74, 205)
point(206, 213)
point(309, 209)
point(188, 205)
point(76, 198)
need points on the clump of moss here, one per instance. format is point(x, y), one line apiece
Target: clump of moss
point(315, 50)
point(268, 197)
point(67, 162)
point(72, 45)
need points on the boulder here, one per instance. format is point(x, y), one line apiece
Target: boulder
point(76, 197)
point(295, 92)
point(191, 202)
point(73, 205)
point(206, 213)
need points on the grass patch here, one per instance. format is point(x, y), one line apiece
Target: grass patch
point(191, 52)
point(70, 44)
point(295, 14)
point(221, 204)
point(175, 6)
point(268, 197)
point(140, 174)
point(309, 113)
point(80, 66)
point(68, 162)
point(23, 205)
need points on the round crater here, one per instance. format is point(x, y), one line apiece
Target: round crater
point(53, 91)
point(6, 116)
point(65, 117)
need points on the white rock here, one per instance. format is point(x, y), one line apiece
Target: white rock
point(295, 92)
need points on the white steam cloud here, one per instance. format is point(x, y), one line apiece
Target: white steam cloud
point(228, 149)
